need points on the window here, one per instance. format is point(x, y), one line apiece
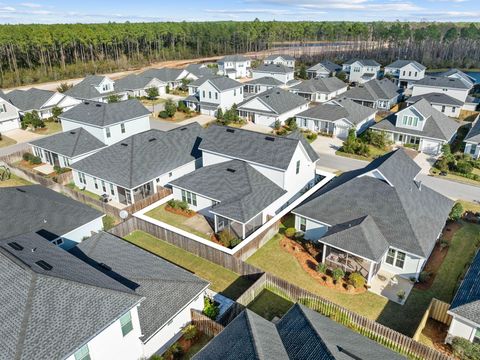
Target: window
point(126, 323)
point(170, 174)
point(112, 191)
point(209, 94)
point(81, 177)
point(3, 108)
point(410, 119)
point(189, 197)
point(443, 108)
point(297, 169)
point(95, 183)
point(241, 90)
point(395, 258)
point(203, 93)
point(104, 188)
point(409, 73)
point(415, 121)
point(303, 224)
point(108, 132)
point(416, 73)
point(405, 119)
point(82, 353)
point(216, 96)
point(453, 109)
point(122, 128)
point(476, 337)
point(473, 149)
point(234, 92)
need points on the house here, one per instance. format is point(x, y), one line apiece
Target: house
point(199, 70)
point(337, 117)
point(281, 59)
point(472, 140)
point(323, 69)
point(56, 306)
point(457, 74)
point(405, 72)
point(208, 94)
point(234, 66)
point(351, 219)
point(465, 308)
point(9, 115)
point(41, 101)
point(441, 102)
point(282, 73)
point(169, 292)
point(133, 168)
point(170, 76)
point(138, 85)
point(57, 218)
point(451, 86)
point(270, 106)
point(96, 88)
point(320, 89)
point(420, 126)
point(378, 94)
point(301, 334)
point(258, 85)
point(246, 177)
point(108, 122)
point(361, 70)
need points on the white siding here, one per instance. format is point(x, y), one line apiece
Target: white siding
point(203, 203)
point(461, 328)
point(459, 94)
point(452, 111)
point(468, 150)
point(283, 77)
point(314, 230)
point(412, 267)
point(9, 116)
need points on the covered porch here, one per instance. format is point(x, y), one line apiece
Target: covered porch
point(130, 196)
point(237, 228)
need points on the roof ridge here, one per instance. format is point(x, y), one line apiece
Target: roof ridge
point(76, 142)
point(27, 314)
point(131, 163)
point(307, 319)
point(252, 333)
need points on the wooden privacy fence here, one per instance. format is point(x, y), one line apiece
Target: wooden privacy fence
point(205, 324)
point(436, 310)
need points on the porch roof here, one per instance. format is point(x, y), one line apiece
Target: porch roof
point(360, 237)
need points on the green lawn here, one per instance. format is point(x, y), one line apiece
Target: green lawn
point(404, 318)
point(14, 181)
point(51, 127)
point(222, 280)
point(159, 213)
point(6, 141)
point(470, 206)
point(269, 305)
point(72, 186)
point(374, 153)
point(458, 178)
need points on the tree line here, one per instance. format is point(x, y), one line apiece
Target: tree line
point(36, 52)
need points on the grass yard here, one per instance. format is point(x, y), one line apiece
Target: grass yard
point(14, 181)
point(470, 206)
point(272, 258)
point(374, 153)
point(159, 213)
point(222, 280)
point(269, 305)
point(6, 141)
point(152, 102)
point(458, 178)
point(51, 127)
point(72, 186)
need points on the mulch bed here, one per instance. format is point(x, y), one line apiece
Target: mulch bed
point(438, 255)
point(187, 214)
point(309, 264)
point(436, 332)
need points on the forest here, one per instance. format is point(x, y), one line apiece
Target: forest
point(36, 53)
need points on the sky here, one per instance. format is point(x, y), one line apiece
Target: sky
point(88, 11)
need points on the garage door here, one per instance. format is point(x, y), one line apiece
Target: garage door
point(341, 131)
point(9, 125)
point(430, 147)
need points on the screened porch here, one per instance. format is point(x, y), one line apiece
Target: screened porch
point(239, 229)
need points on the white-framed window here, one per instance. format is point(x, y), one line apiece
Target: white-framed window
point(108, 132)
point(122, 128)
point(3, 108)
point(476, 337)
point(453, 109)
point(95, 183)
point(189, 197)
point(297, 167)
point(209, 94)
point(81, 177)
point(112, 190)
point(216, 96)
point(473, 149)
point(405, 119)
point(395, 258)
point(104, 188)
point(302, 224)
point(82, 354)
point(126, 323)
point(234, 92)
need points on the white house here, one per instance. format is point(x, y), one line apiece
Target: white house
point(280, 72)
point(323, 69)
point(441, 102)
point(337, 117)
point(361, 70)
point(458, 74)
point(379, 94)
point(109, 123)
point(41, 101)
point(320, 89)
point(96, 88)
point(405, 73)
point(199, 70)
point(281, 59)
point(472, 139)
point(451, 86)
point(350, 208)
point(420, 126)
point(240, 183)
point(9, 115)
point(272, 105)
point(58, 218)
point(172, 77)
point(208, 94)
point(234, 66)
point(137, 85)
point(256, 86)
point(134, 168)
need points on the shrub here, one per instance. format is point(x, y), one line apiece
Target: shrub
point(277, 124)
point(338, 274)
point(172, 203)
point(465, 350)
point(290, 232)
point(60, 170)
point(322, 268)
point(424, 276)
point(190, 332)
point(228, 238)
point(210, 309)
point(27, 156)
point(456, 212)
point(32, 119)
point(156, 357)
point(357, 280)
point(163, 114)
point(376, 138)
point(183, 108)
point(174, 352)
point(341, 75)
point(152, 92)
point(291, 123)
point(35, 160)
point(282, 131)
point(183, 205)
point(113, 98)
point(444, 243)
point(170, 108)
point(108, 222)
point(219, 114)
point(464, 167)
point(401, 294)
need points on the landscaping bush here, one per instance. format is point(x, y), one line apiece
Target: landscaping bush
point(156, 357)
point(338, 274)
point(444, 243)
point(35, 160)
point(163, 114)
point(456, 212)
point(378, 139)
point(174, 352)
point(152, 93)
point(401, 294)
point(33, 119)
point(227, 238)
point(108, 222)
point(183, 108)
point(322, 268)
point(170, 108)
point(60, 170)
point(210, 309)
point(219, 114)
point(357, 280)
point(183, 205)
point(463, 167)
point(190, 332)
point(353, 145)
point(424, 276)
point(290, 232)
point(291, 123)
point(277, 124)
point(27, 156)
point(282, 131)
point(465, 350)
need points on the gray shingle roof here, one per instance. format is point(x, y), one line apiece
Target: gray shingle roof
point(199, 70)
point(38, 208)
point(283, 56)
point(144, 156)
point(278, 100)
point(85, 89)
point(163, 74)
point(436, 98)
point(437, 125)
point(273, 68)
point(398, 64)
point(364, 62)
point(70, 143)
point(312, 154)
point(321, 85)
point(233, 58)
point(326, 64)
point(473, 134)
point(469, 80)
point(443, 82)
point(221, 83)
point(242, 191)
point(167, 288)
point(466, 302)
point(373, 90)
point(132, 82)
point(270, 150)
point(48, 314)
point(31, 99)
point(337, 109)
point(351, 196)
point(266, 80)
point(103, 114)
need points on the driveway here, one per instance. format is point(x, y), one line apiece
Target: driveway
point(21, 136)
point(327, 145)
point(425, 161)
point(257, 127)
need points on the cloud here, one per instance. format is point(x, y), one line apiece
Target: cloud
point(31, 5)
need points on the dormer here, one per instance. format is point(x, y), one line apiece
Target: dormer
point(105, 86)
point(410, 118)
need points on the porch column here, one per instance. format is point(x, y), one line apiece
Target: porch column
point(243, 231)
point(215, 223)
point(370, 271)
point(324, 253)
